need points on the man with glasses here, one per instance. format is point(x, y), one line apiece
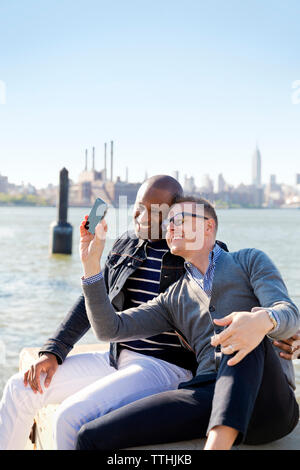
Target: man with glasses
point(138, 267)
point(227, 305)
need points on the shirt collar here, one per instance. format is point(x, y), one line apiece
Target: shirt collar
point(213, 256)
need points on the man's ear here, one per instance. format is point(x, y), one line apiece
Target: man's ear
point(210, 226)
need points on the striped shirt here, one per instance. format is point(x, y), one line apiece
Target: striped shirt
point(143, 285)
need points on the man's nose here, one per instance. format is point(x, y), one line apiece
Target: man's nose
point(171, 227)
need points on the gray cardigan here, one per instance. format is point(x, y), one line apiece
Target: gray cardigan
point(242, 280)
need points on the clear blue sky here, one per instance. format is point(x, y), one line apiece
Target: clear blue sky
point(178, 85)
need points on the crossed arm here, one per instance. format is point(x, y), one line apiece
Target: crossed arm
point(245, 330)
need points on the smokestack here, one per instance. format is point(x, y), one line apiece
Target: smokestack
point(111, 160)
point(105, 171)
point(86, 159)
point(127, 174)
point(93, 158)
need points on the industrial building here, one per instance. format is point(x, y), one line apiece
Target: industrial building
point(93, 183)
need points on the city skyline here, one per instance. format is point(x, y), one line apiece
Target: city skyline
point(177, 85)
point(254, 176)
point(245, 178)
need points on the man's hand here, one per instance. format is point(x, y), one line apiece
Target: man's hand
point(290, 347)
point(47, 363)
point(91, 247)
point(245, 331)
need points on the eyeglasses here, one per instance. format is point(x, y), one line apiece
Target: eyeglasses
point(178, 219)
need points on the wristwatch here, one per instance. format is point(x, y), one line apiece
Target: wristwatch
point(273, 319)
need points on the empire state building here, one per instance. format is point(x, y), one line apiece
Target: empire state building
point(256, 168)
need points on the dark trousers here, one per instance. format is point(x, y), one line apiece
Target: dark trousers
point(253, 397)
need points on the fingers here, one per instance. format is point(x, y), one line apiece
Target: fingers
point(28, 379)
point(224, 321)
point(229, 349)
point(25, 378)
point(49, 377)
point(237, 357)
point(289, 347)
point(34, 379)
point(86, 222)
point(288, 342)
point(84, 226)
point(101, 229)
point(221, 338)
point(104, 225)
point(286, 356)
point(296, 337)
point(286, 346)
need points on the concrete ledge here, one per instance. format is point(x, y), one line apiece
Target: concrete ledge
point(290, 442)
point(43, 420)
point(42, 426)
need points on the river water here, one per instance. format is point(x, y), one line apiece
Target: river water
point(37, 289)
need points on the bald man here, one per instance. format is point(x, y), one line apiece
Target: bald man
point(89, 385)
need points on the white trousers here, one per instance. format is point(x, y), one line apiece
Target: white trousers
point(86, 387)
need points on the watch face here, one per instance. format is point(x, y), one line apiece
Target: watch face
point(273, 319)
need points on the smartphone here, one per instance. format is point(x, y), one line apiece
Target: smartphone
point(97, 213)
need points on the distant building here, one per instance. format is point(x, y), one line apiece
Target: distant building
point(221, 184)
point(175, 175)
point(92, 184)
point(273, 183)
point(247, 195)
point(256, 168)
point(273, 193)
point(3, 184)
point(189, 184)
point(50, 193)
point(207, 185)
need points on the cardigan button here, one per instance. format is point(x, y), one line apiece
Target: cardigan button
point(211, 308)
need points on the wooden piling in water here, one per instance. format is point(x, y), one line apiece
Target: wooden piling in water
point(61, 230)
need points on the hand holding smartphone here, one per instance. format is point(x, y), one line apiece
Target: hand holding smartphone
point(97, 213)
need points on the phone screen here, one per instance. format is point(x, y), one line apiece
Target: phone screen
point(97, 213)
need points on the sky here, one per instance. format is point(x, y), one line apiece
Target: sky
point(189, 85)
